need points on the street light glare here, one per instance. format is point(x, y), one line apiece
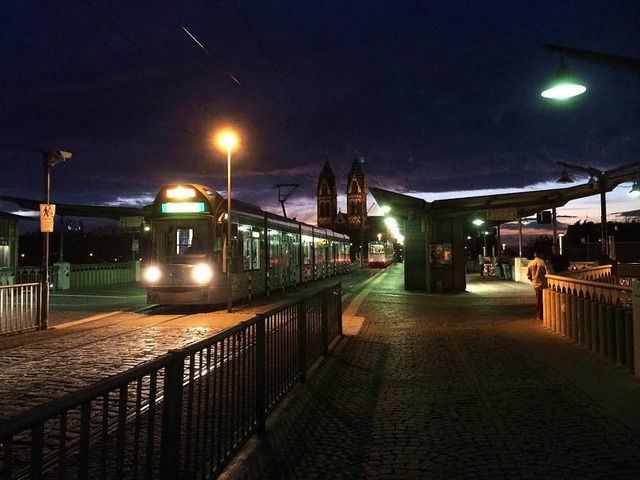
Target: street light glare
point(564, 91)
point(227, 140)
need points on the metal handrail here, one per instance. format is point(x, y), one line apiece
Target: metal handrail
point(249, 361)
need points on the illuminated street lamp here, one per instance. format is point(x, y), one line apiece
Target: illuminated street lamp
point(228, 140)
point(49, 159)
point(563, 85)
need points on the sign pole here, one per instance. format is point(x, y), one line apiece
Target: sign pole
point(44, 317)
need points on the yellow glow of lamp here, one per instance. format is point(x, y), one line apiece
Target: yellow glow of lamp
point(227, 140)
point(563, 86)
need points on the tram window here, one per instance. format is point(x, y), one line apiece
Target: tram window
point(255, 251)
point(183, 240)
point(275, 248)
point(250, 238)
point(306, 250)
point(320, 251)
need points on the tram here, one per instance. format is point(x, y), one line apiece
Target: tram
point(188, 263)
point(380, 254)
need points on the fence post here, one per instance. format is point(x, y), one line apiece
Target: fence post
point(628, 337)
point(635, 298)
point(171, 419)
point(566, 321)
point(303, 353)
point(602, 329)
point(572, 314)
point(261, 373)
point(555, 299)
point(611, 332)
point(546, 307)
point(339, 307)
point(324, 323)
point(578, 311)
point(595, 326)
point(621, 356)
point(559, 313)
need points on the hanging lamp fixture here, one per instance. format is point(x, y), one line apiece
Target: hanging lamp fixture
point(563, 85)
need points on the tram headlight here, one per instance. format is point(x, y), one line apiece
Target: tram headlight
point(152, 274)
point(202, 273)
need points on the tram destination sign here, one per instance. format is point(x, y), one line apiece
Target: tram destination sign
point(508, 214)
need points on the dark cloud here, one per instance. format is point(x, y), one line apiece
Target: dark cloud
point(435, 96)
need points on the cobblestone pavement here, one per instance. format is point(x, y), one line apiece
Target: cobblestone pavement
point(88, 342)
point(453, 386)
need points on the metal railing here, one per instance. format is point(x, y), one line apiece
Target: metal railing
point(83, 276)
point(183, 415)
point(19, 307)
point(594, 314)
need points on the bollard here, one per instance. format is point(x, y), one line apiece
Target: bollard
point(621, 354)
point(249, 288)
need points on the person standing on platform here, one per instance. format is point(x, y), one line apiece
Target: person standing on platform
point(481, 262)
point(505, 263)
point(537, 274)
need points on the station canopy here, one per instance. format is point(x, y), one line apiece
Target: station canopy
point(496, 209)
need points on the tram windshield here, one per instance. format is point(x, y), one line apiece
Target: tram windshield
point(376, 247)
point(184, 238)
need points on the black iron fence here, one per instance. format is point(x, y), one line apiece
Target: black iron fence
point(183, 415)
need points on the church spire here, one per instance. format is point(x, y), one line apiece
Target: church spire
point(327, 197)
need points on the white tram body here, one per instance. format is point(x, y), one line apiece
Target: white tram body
point(268, 251)
point(380, 254)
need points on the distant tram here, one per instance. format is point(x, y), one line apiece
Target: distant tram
point(380, 254)
point(268, 252)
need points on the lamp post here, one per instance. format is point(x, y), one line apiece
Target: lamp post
point(228, 140)
point(49, 159)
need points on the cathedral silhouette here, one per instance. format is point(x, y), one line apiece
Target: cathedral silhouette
point(356, 223)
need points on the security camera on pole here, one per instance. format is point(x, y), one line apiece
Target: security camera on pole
point(47, 215)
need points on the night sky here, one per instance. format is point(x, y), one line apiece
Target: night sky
point(432, 96)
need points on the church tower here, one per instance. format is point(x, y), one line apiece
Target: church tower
point(327, 197)
point(356, 196)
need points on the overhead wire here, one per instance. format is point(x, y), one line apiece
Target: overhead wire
point(244, 87)
point(201, 45)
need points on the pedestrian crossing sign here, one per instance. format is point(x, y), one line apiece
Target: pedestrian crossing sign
point(47, 214)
